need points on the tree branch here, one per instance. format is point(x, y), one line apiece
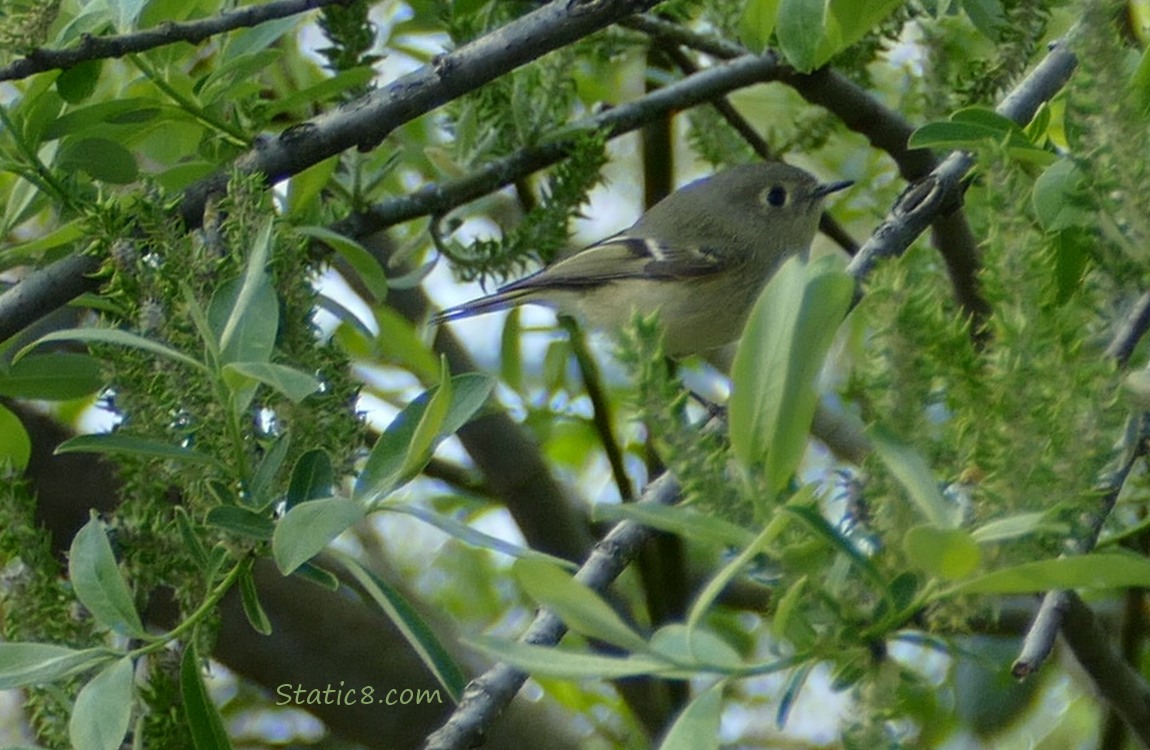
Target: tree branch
point(941, 190)
point(46, 290)
point(881, 126)
point(101, 47)
point(439, 198)
point(365, 122)
point(487, 695)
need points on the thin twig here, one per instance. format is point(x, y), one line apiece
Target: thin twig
point(441, 197)
point(103, 47)
point(1133, 328)
point(366, 121)
point(363, 123)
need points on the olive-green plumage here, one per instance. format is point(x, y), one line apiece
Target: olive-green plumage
point(700, 257)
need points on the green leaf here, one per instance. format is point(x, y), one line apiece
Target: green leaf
point(689, 524)
point(987, 16)
point(37, 663)
point(1072, 248)
point(56, 376)
point(469, 392)
point(317, 575)
point(259, 489)
point(412, 626)
point(757, 23)
point(1096, 571)
point(115, 442)
point(203, 718)
point(1060, 198)
point(288, 381)
point(243, 521)
point(783, 625)
point(474, 537)
point(975, 127)
point(399, 343)
point(949, 554)
point(952, 135)
point(800, 508)
point(407, 444)
point(1140, 84)
point(1014, 527)
point(510, 351)
point(785, 341)
point(97, 581)
point(317, 93)
point(244, 312)
point(579, 607)
point(113, 336)
point(309, 527)
point(727, 573)
point(909, 468)
point(851, 20)
point(250, 598)
point(15, 445)
point(800, 30)
point(77, 83)
point(541, 660)
point(99, 113)
point(312, 477)
point(103, 709)
point(696, 648)
point(365, 264)
point(101, 158)
point(233, 72)
point(33, 251)
point(697, 725)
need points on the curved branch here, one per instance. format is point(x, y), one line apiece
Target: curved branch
point(439, 198)
point(365, 122)
point(101, 47)
point(940, 192)
point(884, 128)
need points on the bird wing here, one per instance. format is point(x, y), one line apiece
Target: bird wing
point(621, 257)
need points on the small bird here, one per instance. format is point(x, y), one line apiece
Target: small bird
point(699, 258)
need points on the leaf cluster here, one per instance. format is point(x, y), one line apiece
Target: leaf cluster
point(544, 229)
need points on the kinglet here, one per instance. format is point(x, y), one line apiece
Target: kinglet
point(700, 257)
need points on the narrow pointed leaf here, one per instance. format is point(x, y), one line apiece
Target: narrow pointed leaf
point(97, 581)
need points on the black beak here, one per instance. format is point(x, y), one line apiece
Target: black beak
point(830, 187)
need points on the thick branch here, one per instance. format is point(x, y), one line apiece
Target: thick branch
point(1125, 691)
point(46, 290)
point(439, 198)
point(365, 122)
point(941, 190)
point(101, 47)
point(487, 695)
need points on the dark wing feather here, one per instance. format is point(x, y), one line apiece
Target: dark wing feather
point(620, 257)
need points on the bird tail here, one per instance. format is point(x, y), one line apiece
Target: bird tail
point(501, 300)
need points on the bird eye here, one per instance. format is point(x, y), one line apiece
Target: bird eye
point(776, 196)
